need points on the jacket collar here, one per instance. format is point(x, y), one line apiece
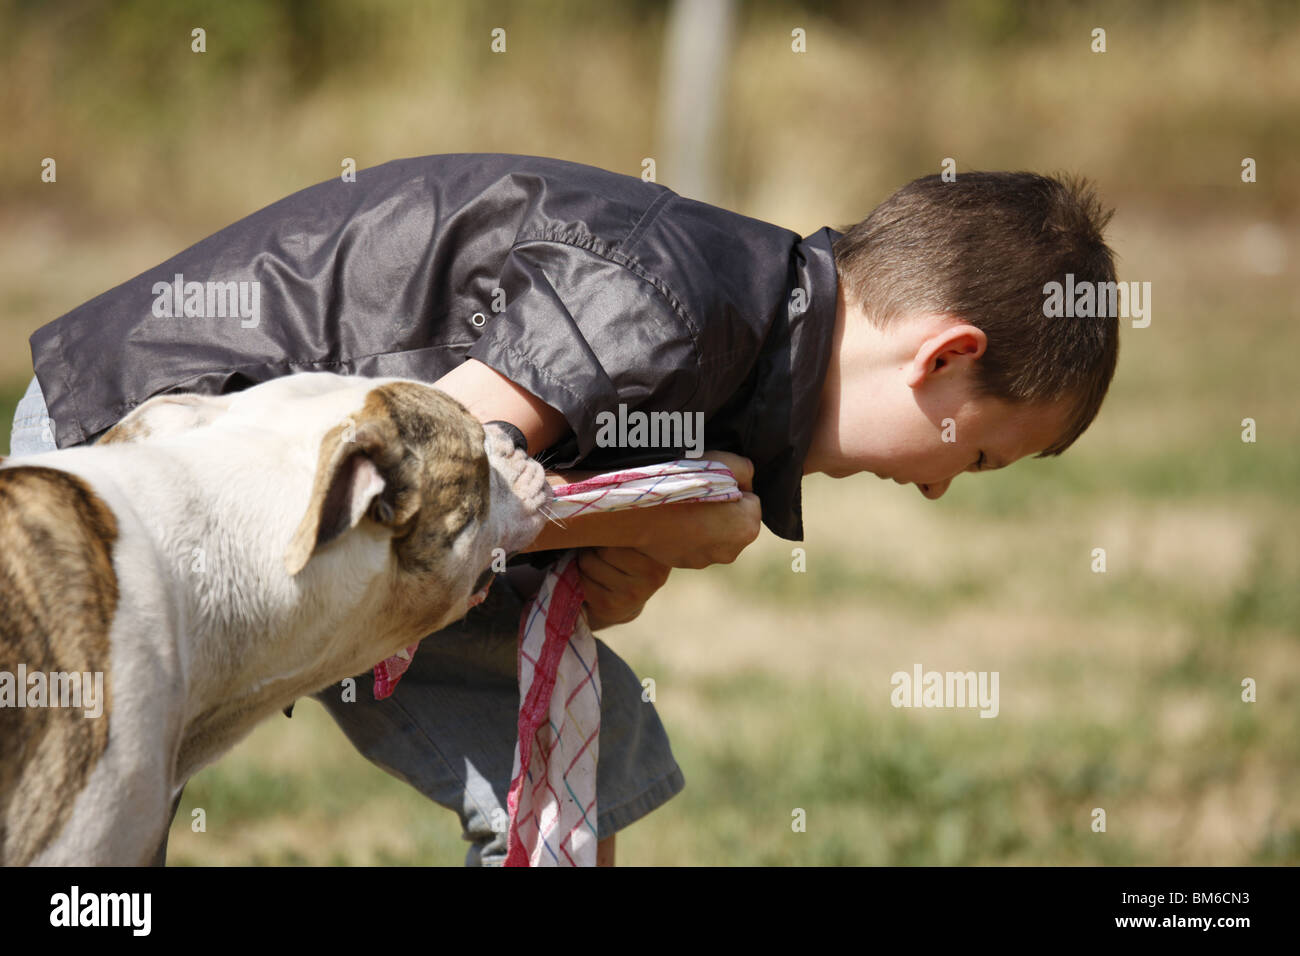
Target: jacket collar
point(791, 371)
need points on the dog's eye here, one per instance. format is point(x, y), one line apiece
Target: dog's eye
point(381, 511)
point(483, 579)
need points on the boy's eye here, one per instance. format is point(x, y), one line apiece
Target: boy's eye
point(980, 463)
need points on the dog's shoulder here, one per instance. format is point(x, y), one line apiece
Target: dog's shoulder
point(165, 415)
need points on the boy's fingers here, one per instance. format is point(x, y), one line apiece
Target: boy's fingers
point(740, 466)
point(633, 563)
point(622, 571)
point(595, 570)
point(617, 584)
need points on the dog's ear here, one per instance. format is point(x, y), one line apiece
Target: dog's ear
point(357, 473)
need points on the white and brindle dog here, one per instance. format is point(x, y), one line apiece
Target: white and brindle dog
point(216, 558)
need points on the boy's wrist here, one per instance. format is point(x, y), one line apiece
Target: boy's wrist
point(627, 529)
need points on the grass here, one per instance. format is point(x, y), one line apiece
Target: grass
point(1119, 690)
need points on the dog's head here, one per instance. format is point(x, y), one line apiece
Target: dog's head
point(456, 497)
point(399, 461)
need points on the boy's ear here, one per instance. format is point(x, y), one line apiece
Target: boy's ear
point(946, 349)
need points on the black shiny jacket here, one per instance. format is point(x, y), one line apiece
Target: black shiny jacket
point(585, 287)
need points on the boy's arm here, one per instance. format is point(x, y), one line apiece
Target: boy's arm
point(619, 579)
point(628, 553)
point(680, 536)
point(490, 397)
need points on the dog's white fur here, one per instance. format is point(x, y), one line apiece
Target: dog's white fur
point(205, 643)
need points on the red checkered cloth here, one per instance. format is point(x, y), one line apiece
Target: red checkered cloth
point(552, 798)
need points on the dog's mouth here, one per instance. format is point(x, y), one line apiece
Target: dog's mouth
point(390, 670)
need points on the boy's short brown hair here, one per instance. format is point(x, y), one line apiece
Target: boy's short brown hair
point(981, 248)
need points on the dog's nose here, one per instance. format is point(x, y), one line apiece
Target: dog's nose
point(516, 436)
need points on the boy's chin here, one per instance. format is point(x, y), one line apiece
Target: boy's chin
point(848, 471)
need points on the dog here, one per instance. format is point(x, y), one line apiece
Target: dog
point(209, 561)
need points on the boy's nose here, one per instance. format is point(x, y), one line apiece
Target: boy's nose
point(934, 489)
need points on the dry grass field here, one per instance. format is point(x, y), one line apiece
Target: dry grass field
point(1119, 690)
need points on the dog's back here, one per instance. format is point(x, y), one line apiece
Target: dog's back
point(58, 596)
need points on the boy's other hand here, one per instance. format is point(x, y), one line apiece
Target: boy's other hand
point(617, 583)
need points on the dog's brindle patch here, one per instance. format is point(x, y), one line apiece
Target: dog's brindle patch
point(178, 413)
point(127, 430)
point(437, 478)
point(58, 595)
point(432, 430)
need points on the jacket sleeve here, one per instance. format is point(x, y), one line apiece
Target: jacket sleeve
point(585, 330)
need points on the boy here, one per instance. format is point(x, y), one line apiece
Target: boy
point(546, 294)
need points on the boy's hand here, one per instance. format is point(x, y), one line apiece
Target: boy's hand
point(686, 535)
point(696, 535)
point(617, 583)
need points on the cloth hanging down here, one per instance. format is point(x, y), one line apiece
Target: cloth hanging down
point(552, 799)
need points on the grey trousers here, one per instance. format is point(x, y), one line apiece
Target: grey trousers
point(449, 729)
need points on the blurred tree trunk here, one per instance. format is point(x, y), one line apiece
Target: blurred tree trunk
point(697, 51)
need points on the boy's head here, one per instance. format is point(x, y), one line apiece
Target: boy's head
point(943, 350)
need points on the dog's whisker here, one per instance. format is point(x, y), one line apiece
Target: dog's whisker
point(552, 517)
